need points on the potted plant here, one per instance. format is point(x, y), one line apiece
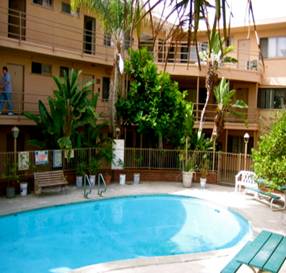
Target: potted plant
point(107, 177)
point(188, 162)
point(93, 167)
point(23, 186)
point(204, 171)
point(12, 179)
point(188, 171)
point(80, 171)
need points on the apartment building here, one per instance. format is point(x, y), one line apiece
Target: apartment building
point(44, 38)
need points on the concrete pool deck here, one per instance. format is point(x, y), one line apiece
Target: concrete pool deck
point(259, 214)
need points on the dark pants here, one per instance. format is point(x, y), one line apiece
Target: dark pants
point(6, 97)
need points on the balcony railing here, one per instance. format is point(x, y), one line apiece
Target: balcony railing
point(56, 36)
point(28, 102)
point(72, 38)
point(247, 115)
point(179, 53)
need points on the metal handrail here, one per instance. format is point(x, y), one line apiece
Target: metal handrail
point(85, 192)
point(103, 189)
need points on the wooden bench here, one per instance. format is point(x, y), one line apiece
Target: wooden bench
point(266, 253)
point(49, 179)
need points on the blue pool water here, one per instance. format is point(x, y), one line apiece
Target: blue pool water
point(61, 238)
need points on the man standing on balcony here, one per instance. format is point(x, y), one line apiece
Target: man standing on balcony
point(6, 94)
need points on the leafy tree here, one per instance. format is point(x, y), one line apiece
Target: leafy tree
point(154, 102)
point(70, 110)
point(270, 155)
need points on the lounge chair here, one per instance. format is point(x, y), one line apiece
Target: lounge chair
point(267, 253)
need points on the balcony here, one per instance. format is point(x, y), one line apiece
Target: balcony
point(69, 39)
point(28, 102)
point(248, 118)
point(24, 31)
point(178, 59)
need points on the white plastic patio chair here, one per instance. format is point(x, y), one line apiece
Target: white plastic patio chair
point(246, 179)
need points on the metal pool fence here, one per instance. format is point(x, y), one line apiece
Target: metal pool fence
point(26, 162)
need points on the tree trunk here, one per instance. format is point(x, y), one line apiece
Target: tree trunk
point(211, 79)
point(116, 84)
point(160, 141)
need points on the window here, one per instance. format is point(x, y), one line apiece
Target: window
point(105, 88)
point(273, 47)
point(45, 3)
point(89, 35)
point(272, 98)
point(66, 8)
point(191, 52)
point(107, 40)
point(63, 70)
point(203, 46)
point(42, 69)
point(127, 41)
point(184, 53)
point(235, 144)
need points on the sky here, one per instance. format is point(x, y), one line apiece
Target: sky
point(263, 10)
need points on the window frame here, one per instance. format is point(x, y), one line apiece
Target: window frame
point(264, 41)
point(272, 98)
point(44, 3)
point(71, 13)
point(105, 99)
point(42, 67)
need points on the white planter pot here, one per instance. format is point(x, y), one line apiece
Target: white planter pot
point(203, 182)
point(92, 180)
point(24, 189)
point(79, 181)
point(136, 178)
point(187, 179)
point(122, 179)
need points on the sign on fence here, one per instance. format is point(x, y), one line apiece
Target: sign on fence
point(118, 154)
point(41, 157)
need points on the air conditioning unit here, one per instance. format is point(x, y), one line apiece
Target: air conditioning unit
point(252, 65)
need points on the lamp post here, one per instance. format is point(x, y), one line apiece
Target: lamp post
point(246, 139)
point(117, 132)
point(15, 133)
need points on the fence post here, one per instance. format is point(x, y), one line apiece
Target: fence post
point(219, 166)
point(149, 158)
point(239, 162)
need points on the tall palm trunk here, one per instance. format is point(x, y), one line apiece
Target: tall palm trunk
point(211, 79)
point(117, 80)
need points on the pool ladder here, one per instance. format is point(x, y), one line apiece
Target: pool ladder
point(87, 185)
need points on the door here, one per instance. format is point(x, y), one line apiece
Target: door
point(243, 54)
point(89, 35)
point(17, 77)
point(17, 19)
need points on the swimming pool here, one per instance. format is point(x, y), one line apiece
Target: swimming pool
point(61, 238)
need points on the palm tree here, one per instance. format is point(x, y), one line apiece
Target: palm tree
point(190, 16)
point(225, 104)
point(119, 19)
point(215, 56)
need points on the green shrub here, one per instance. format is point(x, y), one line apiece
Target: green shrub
point(270, 156)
